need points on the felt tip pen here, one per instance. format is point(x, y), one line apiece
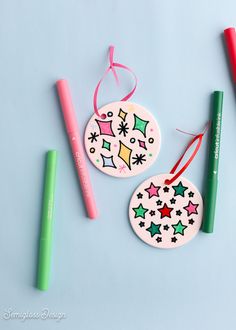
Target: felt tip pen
point(45, 244)
point(77, 147)
point(212, 175)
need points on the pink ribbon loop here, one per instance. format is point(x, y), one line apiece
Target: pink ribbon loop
point(112, 66)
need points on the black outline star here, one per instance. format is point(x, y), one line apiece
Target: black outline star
point(166, 189)
point(172, 200)
point(139, 195)
point(166, 227)
point(159, 239)
point(159, 202)
point(191, 221)
point(174, 239)
point(141, 224)
point(123, 128)
point(152, 213)
point(178, 212)
point(139, 159)
point(93, 137)
point(190, 194)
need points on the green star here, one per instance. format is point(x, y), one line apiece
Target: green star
point(179, 189)
point(140, 124)
point(106, 145)
point(140, 211)
point(179, 228)
point(154, 229)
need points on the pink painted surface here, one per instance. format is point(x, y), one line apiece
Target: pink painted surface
point(166, 218)
point(126, 142)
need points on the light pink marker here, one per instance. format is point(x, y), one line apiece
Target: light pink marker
point(77, 147)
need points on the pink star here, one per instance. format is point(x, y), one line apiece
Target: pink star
point(191, 208)
point(152, 190)
point(122, 168)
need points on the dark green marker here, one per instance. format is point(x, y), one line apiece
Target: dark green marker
point(214, 152)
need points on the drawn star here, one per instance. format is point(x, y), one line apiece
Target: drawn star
point(105, 127)
point(108, 161)
point(166, 189)
point(174, 239)
point(159, 239)
point(154, 229)
point(93, 137)
point(140, 211)
point(138, 159)
point(152, 190)
point(140, 124)
point(179, 228)
point(191, 221)
point(140, 196)
point(165, 211)
point(125, 154)
point(152, 213)
point(190, 194)
point(191, 208)
point(178, 212)
point(159, 202)
point(141, 224)
point(166, 227)
point(179, 189)
point(173, 200)
point(123, 128)
point(122, 114)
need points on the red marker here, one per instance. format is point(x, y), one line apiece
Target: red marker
point(230, 39)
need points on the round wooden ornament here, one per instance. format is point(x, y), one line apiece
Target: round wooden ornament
point(126, 142)
point(166, 210)
point(122, 139)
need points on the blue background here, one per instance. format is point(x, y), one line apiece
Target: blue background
point(103, 276)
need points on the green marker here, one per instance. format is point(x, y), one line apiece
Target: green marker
point(214, 152)
point(45, 245)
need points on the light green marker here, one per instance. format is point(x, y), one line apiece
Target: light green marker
point(214, 152)
point(45, 245)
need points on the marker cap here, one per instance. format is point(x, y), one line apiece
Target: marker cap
point(230, 39)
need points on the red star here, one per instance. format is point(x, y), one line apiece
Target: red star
point(165, 211)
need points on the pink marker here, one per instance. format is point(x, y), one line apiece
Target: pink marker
point(77, 147)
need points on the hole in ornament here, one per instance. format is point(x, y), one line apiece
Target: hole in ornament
point(103, 116)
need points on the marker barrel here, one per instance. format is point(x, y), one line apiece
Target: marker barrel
point(212, 176)
point(45, 244)
point(77, 147)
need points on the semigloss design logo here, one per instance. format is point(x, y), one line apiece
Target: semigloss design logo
point(45, 314)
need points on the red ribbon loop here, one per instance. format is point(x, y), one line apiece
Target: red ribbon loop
point(196, 137)
point(112, 69)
